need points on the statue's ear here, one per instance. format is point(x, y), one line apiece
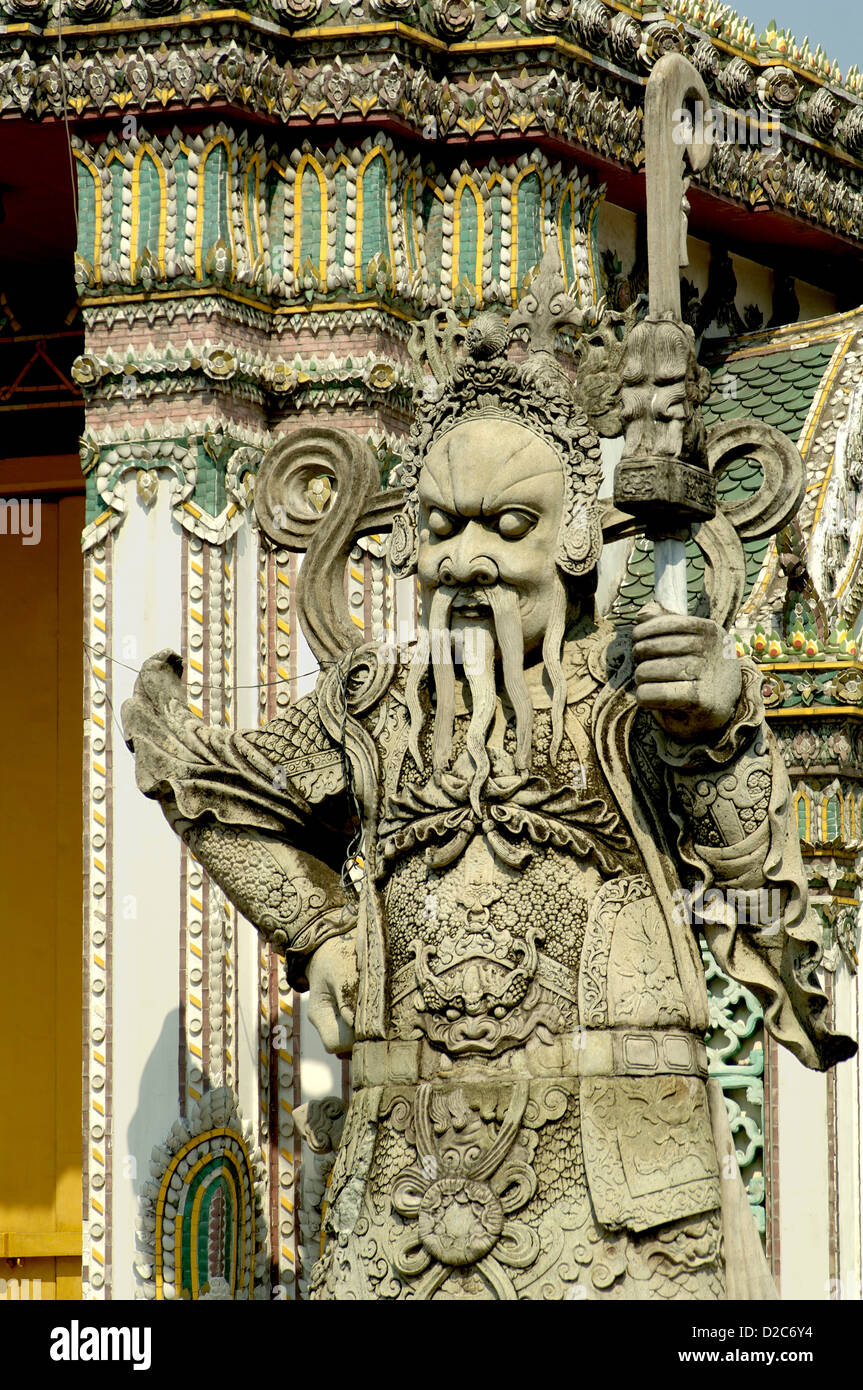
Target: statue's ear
point(403, 545)
point(580, 540)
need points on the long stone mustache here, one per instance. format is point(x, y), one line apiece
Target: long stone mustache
point(444, 676)
point(434, 646)
point(480, 676)
point(552, 651)
point(510, 638)
point(437, 622)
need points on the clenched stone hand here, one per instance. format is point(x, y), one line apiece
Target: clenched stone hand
point(333, 977)
point(684, 672)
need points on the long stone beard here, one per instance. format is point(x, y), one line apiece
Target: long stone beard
point(435, 642)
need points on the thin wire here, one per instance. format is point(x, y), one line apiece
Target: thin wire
point(263, 685)
point(343, 673)
point(107, 697)
point(61, 64)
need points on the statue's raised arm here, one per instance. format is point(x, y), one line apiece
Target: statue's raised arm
point(265, 811)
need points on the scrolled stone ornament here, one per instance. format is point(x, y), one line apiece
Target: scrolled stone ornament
point(724, 566)
point(783, 486)
point(580, 538)
point(403, 546)
point(320, 1123)
point(434, 346)
point(288, 511)
point(546, 307)
point(463, 1198)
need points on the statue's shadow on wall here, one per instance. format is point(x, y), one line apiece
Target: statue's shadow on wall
point(210, 1148)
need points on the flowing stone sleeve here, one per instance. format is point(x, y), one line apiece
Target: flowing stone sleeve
point(263, 810)
point(731, 803)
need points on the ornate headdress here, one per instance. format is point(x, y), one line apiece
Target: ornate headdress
point(472, 378)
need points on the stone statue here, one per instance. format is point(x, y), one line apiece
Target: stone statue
point(546, 812)
point(517, 978)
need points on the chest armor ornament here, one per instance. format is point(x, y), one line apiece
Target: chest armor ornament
point(537, 1117)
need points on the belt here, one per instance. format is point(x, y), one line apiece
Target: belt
point(589, 1052)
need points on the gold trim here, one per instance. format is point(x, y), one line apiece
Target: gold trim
point(94, 302)
point(195, 1142)
point(360, 31)
point(97, 218)
point(793, 334)
point(195, 1218)
point(779, 666)
point(811, 424)
point(797, 711)
point(256, 237)
point(146, 151)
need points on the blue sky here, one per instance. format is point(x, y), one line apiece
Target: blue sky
point(836, 24)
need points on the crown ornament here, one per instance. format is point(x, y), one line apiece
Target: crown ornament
point(466, 374)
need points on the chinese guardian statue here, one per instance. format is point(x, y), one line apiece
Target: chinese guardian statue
point(522, 999)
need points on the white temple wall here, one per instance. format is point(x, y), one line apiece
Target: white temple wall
point(846, 1267)
point(248, 982)
point(146, 856)
point(804, 1210)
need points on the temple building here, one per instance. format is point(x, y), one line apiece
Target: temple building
point(216, 225)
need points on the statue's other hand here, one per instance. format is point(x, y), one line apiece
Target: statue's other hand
point(333, 982)
point(686, 672)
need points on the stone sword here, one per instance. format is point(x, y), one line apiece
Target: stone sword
point(663, 476)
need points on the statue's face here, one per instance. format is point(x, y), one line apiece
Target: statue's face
point(491, 498)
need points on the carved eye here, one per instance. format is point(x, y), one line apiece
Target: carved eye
point(440, 524)
point(513, 525)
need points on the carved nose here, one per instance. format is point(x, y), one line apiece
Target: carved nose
point(477, 570)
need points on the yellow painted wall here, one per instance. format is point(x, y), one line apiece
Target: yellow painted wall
point(41, 904)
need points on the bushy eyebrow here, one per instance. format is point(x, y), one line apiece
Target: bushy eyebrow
point(436, 490)
point(497, 500)
point(437, 494)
